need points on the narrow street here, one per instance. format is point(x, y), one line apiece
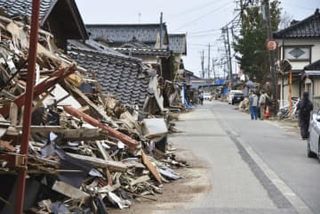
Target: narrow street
point(253, 166)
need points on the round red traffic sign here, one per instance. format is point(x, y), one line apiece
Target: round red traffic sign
point(271, 45)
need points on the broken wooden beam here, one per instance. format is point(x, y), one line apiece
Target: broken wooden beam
point(84, 100)
point(69, 134)
point(111, 165)
point(131, 143)
point(151, 167)
point(40, 88)
point(69, 191)
point(141, 179)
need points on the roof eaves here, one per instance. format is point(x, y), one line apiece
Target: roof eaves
point(45, 17)
point(313, 66)
point(78, 18)
point(281, 34)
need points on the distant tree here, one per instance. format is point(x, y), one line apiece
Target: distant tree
point(250, 46)
point(285, 21)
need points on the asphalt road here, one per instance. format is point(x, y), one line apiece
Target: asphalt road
point(253, 166)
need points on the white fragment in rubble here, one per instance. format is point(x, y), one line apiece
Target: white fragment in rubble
point(120, 202)
point(37, 74)
point(11, 65)
point(4, 164)
point(59, 93)
point(52, 136)
point(105, 145)
point(154, 127)
point(121, 145)
point(95, 173)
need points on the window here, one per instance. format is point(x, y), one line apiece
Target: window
point(297, 53)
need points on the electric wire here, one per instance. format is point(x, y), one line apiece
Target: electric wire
point(202, 16)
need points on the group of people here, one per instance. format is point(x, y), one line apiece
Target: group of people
point(258, 104)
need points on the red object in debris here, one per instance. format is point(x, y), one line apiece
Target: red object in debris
point(40, 88)
point(267, 113)
point(131, 143)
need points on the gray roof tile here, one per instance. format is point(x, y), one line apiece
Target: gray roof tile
point(122, 76)
point(121, 34)
point(307, 28)
point(315, 66)
point(24, 7)
point(178, 43)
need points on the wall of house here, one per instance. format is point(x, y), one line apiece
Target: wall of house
point(316, 95)
point(316, 83)
point(284, 95)
point(315, 51)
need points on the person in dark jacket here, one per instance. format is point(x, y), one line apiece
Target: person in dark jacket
point(305, 107)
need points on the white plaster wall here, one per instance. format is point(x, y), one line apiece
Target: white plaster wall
point(295, 89)
point(316, 83)
point(315, 50)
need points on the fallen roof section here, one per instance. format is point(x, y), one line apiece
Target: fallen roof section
point(119, 75)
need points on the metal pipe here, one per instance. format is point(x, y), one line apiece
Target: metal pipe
point(33, 44)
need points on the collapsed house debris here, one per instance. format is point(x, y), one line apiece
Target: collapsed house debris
point(95, 141)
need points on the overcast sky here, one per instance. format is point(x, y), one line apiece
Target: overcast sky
point(200, 19)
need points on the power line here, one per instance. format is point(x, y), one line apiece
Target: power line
point(194, 9)
point(202, 16)
point(203, 31)
point(203, 35)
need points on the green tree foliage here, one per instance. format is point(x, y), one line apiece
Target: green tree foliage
point(251, 44)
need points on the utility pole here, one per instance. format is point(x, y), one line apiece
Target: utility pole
point(228, 50)
point(241, 11)
point(209, 52)
point(202, 63)
point(225, 48)
point(161, 28)
point(213, 68)
point(271, 54)
point(229, 53)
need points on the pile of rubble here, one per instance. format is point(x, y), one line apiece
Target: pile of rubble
point(87, 151)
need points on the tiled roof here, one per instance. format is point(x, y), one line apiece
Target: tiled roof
point(122, 76)
point(307, 28)
point(120, 34)
point(178, 43)
point(136, 49)
point(315, 66)
point(143, 51)
point(24, 7)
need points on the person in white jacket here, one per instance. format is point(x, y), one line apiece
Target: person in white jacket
point(253, 100)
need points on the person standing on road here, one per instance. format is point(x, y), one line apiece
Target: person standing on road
point(253, 100)
point(262, 104)
point(201, 97)
point(305, 107)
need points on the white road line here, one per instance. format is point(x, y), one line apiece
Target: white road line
point(288, 193)
point(298, 204)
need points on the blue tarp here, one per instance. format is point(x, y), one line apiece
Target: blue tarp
point(219, 82)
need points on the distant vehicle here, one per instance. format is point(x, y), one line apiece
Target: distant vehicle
point(313, 147)
point(235, 96)
point(207, 96)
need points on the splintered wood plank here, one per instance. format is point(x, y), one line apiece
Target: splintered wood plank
point(151, 167)
point(112, 165)
point(68, 190)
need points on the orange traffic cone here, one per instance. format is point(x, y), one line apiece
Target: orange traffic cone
point(267, 113)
